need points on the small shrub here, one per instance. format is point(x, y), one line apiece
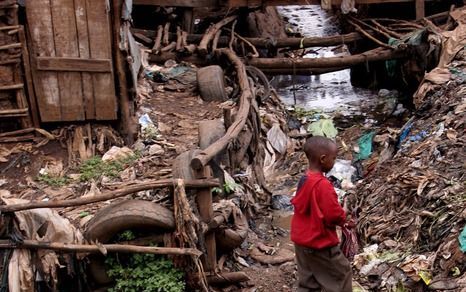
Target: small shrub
point(145, 273)
point(95, 167)
point(53, 181)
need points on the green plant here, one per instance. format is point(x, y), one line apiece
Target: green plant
point(126, 235)
point(53, 181)
point(145, 273)
point(95, 167)
point(230, 187)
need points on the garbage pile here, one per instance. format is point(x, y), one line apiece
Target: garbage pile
point(412, 203)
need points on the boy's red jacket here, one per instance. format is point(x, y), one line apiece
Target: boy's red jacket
point(316, 213)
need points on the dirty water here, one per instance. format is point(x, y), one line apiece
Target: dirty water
point(328, 93)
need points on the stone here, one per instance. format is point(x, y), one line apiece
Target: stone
point(156, 149)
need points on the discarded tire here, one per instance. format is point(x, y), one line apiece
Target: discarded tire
point(211, 83)
point(126, 215)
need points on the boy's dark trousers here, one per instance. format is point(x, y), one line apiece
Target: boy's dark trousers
point(323, 270)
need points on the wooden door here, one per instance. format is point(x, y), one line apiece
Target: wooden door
point(71, 54)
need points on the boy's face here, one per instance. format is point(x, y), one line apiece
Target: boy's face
point(327, 160)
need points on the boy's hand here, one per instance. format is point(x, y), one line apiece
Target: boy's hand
point(350, 224)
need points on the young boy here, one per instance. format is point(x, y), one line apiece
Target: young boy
point(321, 264)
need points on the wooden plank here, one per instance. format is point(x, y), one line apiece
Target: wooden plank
point(41, 43)
point(12, 87)
point(420, 9)
point(100, 43)
point(73, 64)
point(66, 45)
point(31, 97)
point(84, 52)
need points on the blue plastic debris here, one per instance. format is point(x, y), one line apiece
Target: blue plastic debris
point(462, 240)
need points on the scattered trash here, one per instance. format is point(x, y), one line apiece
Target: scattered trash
point(282, 202)
point(462, 240)
point(343, 171)
point(148, 129)
point(278, 139)
point(365, 146)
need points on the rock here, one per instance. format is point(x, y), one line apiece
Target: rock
point(117, 153)
point(156, 149)
point(139, 146)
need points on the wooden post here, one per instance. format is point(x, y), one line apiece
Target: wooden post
point(420, 9)
point(188, 20)
point(206, 211)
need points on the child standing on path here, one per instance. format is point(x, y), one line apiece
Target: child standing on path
point(321, 264)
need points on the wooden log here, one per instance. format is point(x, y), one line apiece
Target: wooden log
point(158, 40)
point(169, 48)
point(232, 35)
point(18, 132)
point(123, 191)
point(306, 66)
point(178, 39)
point(378, 54)
point(368, 35)
point(227, 278)
point(209, 35)
point(206, 212)
point(103, 248)
point(215, 41)
point(292, 43)
point(17, 139)
point(166, 34)
point(386, 30)
point(255, 53)
point(207, 154)
point(302, 71)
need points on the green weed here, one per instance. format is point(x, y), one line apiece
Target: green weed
point(53, 181)
point(95, 167)
point(145, 272)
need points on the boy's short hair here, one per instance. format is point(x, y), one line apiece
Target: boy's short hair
point(316, 146)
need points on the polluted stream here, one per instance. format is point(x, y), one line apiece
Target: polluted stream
point(329, 95)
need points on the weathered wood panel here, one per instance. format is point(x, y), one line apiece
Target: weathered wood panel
point(66, 45)
point(100, 43)
point(73, 59)
point(84, 52)
point(39, 18)
point(74, 64)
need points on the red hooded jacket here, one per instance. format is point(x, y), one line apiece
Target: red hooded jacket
point(316, 213)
